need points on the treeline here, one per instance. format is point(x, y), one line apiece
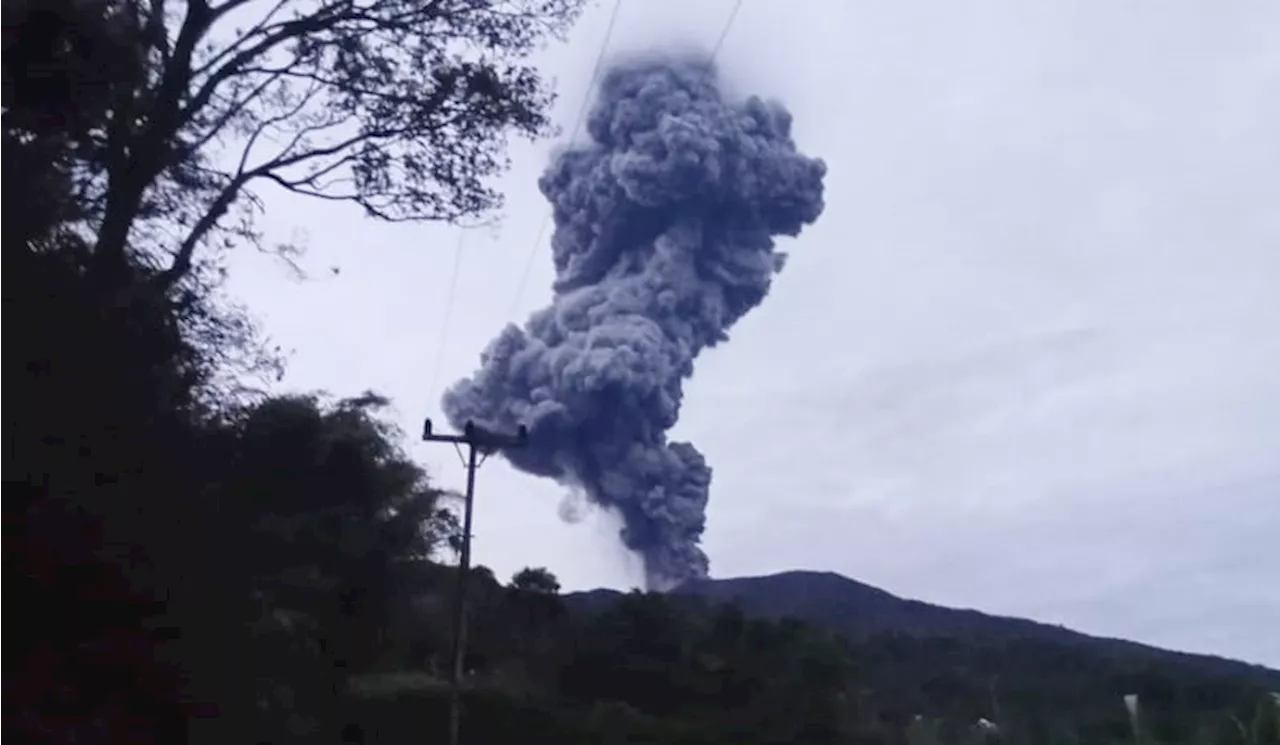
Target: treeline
point(182, 563)
point(668, 669)
point(188, 559)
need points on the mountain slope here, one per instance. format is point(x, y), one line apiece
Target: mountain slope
point(864, 613)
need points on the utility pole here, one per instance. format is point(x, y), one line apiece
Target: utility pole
point(480, 442)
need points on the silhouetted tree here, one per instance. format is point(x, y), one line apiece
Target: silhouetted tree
point(399, 106)
point(535, 581)
point(532, 608)
point(330, 511)
point(62, 60)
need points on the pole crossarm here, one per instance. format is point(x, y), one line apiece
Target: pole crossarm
point(477, 436)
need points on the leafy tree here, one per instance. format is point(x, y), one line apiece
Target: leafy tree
point(537, 581)
point(533, 598)
point(327, 511)
point(532, 607)
point(111, 433)
point(399, 106)
point(334, 508)
point(176, 538)
point(711, 670)
point(61, 60)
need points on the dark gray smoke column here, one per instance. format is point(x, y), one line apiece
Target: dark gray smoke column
point(663, 240)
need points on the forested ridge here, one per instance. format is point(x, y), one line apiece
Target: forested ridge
point(190, 559)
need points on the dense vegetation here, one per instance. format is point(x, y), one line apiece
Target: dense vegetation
point(188, 559)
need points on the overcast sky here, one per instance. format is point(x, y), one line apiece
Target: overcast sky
point(1027, 362)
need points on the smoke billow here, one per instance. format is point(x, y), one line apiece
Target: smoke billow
point(664, 230)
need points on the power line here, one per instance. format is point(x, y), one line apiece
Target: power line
point(724, 33)
point(577, 127)
point(448, 309)
point(546, 220)
point(528, 264)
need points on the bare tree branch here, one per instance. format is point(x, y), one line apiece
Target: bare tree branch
point(182, 259)
point(235, 107)
point(304, 100)
point(279, 34)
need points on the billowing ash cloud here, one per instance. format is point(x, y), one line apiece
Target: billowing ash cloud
point(663, 239)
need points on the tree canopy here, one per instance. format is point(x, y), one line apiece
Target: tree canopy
point(166, 118)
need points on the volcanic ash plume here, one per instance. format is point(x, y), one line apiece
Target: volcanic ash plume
point(663, 239)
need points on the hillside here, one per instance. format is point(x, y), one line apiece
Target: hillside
point(857, 609)
point(868, 615)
